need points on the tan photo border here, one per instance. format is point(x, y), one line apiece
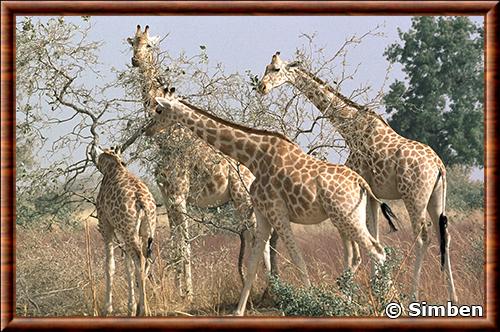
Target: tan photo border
point(11, 9)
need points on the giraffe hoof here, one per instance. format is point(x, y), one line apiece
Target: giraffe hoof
point(237, 313)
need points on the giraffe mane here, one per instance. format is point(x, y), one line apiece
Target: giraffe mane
point(332, 90)
point(344, 99)
point(237, 126)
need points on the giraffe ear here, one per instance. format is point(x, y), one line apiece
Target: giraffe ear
point(293, 64)
point(164, 103)
point(276, 58)
point(130, 41)
point(95, 152)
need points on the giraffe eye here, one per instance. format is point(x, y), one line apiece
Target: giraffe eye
point(159, 110)
point(276, 69)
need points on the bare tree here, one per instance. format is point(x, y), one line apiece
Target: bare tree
point(65, 104)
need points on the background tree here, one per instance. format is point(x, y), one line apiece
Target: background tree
point(441, 101)
point(65, 95)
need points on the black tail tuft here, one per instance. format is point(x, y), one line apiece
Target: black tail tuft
point(388, 214)
point(443, 223)
point(149, 251)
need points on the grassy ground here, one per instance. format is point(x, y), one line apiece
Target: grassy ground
point(53, 277)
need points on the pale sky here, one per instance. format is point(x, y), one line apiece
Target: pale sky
point(247, 42)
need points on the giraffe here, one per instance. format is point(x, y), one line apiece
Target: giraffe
point(289, 187)
point(206, 179)
point(126, 211)
point(394, 166)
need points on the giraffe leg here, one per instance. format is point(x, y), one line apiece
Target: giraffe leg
point(372, 224)
point(348, 254)
point(435, 208)
point(353, 225)
point(271, 262)
point(180, 236)
point(352, 256)
point(244, 213)
point(110, 271)
point(247, 237)
point(263, 230)
point(131, 304)
point(267, 257)
point(273, 242)
point(140, 276)
point(363, 238)
point(421, 231)
point(356, 256)
point(282, 225)
point(186, 254)
point(373, 213)
point(245, 240)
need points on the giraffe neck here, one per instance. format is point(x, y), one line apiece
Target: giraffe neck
point(112, 170)
point(342, 112)
point(150, 85)
point(245, 145)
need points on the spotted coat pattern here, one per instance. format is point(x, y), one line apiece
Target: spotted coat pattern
point(126, 211)
point(199, 175)
point(394, 166)
point(290, 186)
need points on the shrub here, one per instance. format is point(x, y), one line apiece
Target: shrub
point(475, 260)
point(316, 301)
point(346, 298)
point(463, 193)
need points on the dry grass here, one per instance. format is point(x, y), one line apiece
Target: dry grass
point(52, 275)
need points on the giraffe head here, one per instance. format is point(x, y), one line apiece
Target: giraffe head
point(108, 160)
point(277, 73)
point(142, 45)
point(160, 123)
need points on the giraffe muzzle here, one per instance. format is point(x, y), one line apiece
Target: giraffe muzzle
point(135, 62)
point(262, 88)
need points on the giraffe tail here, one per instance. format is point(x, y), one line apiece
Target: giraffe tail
point(443, 223)
point(242, 255)
point(389, 215)
point(443, 220)
point(149, 251)
point(386, 210)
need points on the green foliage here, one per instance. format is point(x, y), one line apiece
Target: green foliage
point(316, 301)
point(381, 283)
point(46, 205)
point(463, 194)
point(441, 101)
point(50, 54)
point(475, 260)
point(346, 298)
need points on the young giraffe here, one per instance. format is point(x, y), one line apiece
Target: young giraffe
point(290, 186)
point(394, 166)
point(205, 179)
point(126, 211)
